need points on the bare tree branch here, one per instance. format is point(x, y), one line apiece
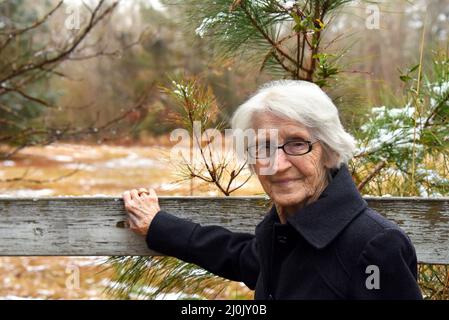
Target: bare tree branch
point(11, 34)
point(50, 135)
point(36, 181)
point(27, 96)
point(94, 20)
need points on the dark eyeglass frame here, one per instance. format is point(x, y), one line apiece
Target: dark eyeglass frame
point(309, 143)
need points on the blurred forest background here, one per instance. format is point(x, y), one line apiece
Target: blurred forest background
point(143, 43)
point(88, 100)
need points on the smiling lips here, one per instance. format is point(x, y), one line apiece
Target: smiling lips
point(285, 181)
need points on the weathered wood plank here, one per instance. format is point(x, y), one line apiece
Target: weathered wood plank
point(91, 225)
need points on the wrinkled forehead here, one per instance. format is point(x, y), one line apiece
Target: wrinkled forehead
point(268, 124)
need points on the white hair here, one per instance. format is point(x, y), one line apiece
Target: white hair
point(305, 103)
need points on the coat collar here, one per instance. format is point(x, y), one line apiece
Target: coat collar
point(323, 220)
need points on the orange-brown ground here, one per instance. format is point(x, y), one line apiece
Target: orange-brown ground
point(100, 169)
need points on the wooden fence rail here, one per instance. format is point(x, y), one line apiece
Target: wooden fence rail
point(84, 226)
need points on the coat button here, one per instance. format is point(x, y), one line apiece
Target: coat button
point(282, 239)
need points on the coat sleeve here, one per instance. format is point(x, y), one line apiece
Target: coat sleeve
point(231, 255)
point(386, 269)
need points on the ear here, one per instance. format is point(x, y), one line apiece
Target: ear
point(330, 158)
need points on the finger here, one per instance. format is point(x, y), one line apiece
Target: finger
point(132, 220)
point(153, 193)
point(130, 224)
point(134, 194)
point(145, 197)
point(143, 190)
point(127, 199)
point(134, 214)
point(127, 196)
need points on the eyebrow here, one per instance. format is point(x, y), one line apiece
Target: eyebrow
point(295, 137)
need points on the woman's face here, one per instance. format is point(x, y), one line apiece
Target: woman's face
point(295, 180)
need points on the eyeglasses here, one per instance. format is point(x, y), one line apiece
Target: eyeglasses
point(293, 148)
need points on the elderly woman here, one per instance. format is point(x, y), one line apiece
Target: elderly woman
point(320, 240)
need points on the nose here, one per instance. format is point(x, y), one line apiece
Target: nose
point(282, 161)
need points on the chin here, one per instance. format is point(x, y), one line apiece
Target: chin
point(284, 200)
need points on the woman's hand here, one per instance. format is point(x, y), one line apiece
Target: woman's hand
point(141, 206)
